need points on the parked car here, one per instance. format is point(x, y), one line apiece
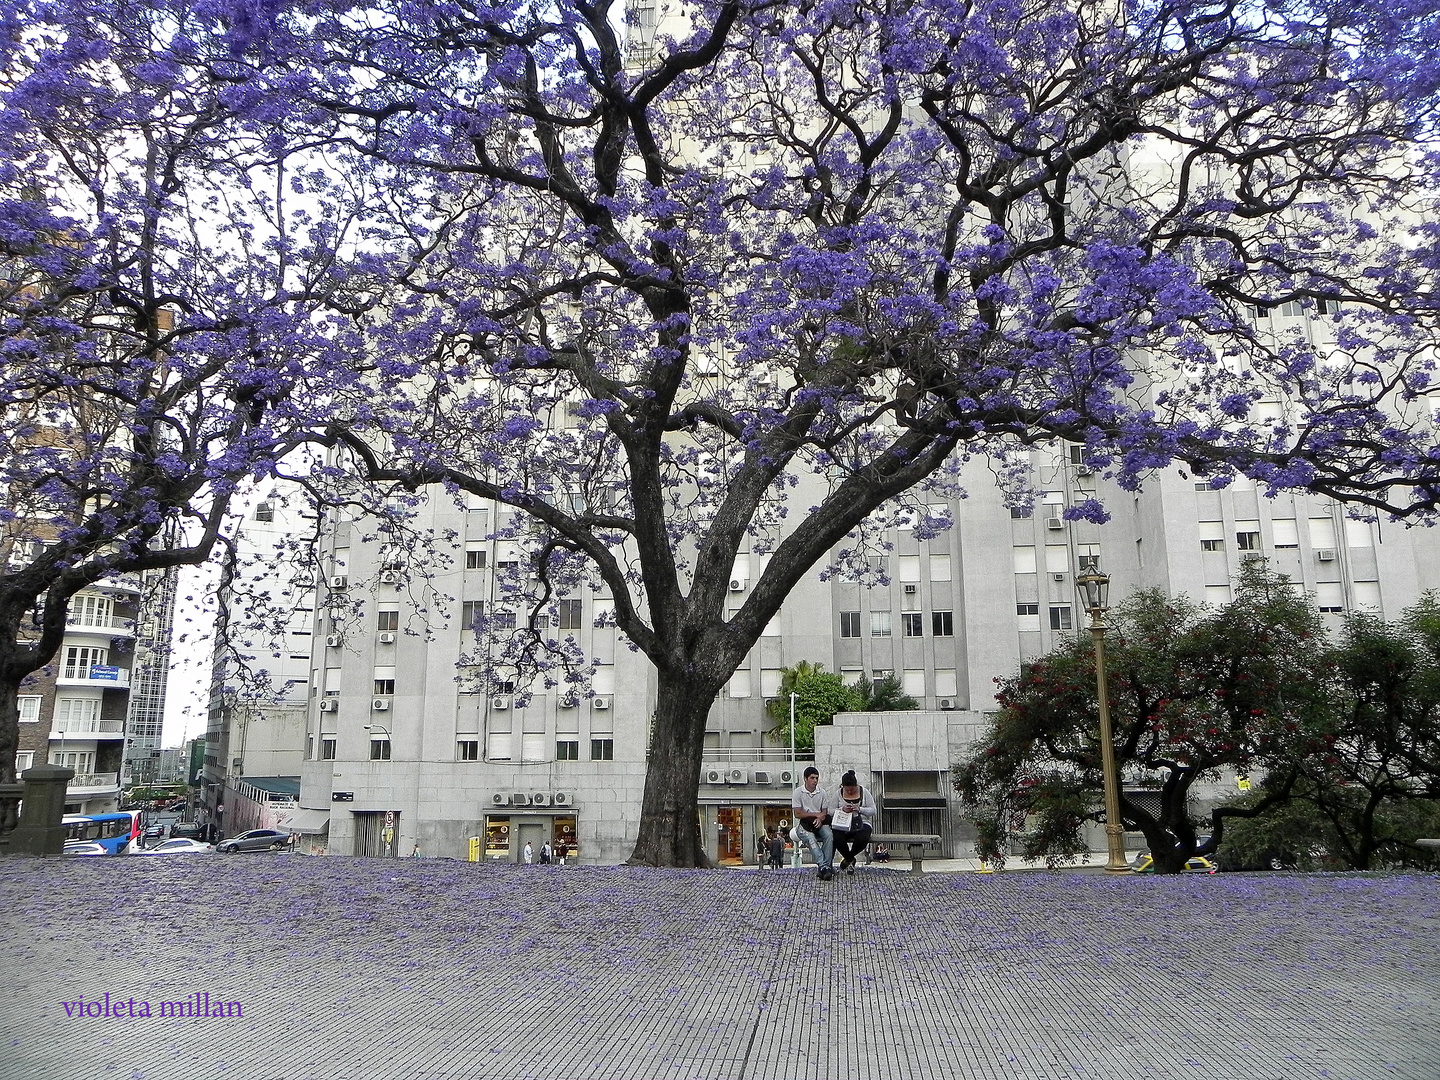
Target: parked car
point(1196, 864)
point(179, 846)
point(185, 829)
point(83, 847)
point(255, 840)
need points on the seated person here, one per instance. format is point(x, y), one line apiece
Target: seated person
point(856, 801)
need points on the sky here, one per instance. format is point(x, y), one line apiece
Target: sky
point(187, 693)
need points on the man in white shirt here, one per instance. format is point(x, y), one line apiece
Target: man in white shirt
point(811, 806)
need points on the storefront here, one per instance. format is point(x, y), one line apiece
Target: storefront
point(507, 834)
point(732, 830)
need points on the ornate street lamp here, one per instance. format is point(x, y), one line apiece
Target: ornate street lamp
point(1094, 590)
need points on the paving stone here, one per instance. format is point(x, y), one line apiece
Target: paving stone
point(418, 969)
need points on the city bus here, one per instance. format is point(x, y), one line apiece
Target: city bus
point(113, 832)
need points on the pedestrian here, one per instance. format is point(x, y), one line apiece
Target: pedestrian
point(415, 852)
point(852, 820)
point(762, 848)
point(545, 851)
point(529, 853)
point(777, 848)
point(561, 851)
point(811, 806)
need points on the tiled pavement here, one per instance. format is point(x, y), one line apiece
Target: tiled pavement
point(372, 970)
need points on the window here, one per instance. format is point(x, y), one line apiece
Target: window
point(879, 624)
point(942, 623)
point(83, 761)
point(467, 750)
point(387, 620)
point(567, 750)
point(505, 620)
point(913, 623)
point(25, 759)
point(1019, 512)
point(327, 749)
point(265, 511)
point(475, 559)
point(569, 614)
point(1285, 533)
point(77, 714)
point(1247, 541)
point(602, 749)
point(470, 611)
point(79, 659)
point(379, 748)
point(384, 687)
point(1212, 545)
point(849, 624)
point(1060, 617)
point(30, 710)
point(1027, 609)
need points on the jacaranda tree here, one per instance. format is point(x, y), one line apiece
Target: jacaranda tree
point(736, 276)
point(163, 290)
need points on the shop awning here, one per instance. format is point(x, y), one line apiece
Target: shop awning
point(301, 820)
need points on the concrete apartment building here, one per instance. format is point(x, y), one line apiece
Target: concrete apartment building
point(397, 747)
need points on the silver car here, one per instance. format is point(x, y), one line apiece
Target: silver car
point(255, 840)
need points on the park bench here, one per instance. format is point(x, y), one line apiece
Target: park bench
point(916, 842)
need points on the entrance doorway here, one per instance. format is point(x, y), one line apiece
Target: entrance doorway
point(532, 833)
point(731, 845)
point(376, 833)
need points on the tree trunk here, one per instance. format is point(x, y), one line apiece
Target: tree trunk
point(9, 746)
point(669, 822)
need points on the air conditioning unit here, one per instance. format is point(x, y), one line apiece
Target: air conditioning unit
point(380, 704)
point(566, 702)
point(387, 638)
point(1325, 554)
point(561, 798)
point(947, 703)
point(737, 584)
point(329, 705)
point(787, 776)
point(1084, 470)
point(1058, 575)
point(520, 798)
point(339, 581)
point(237, 762)
point(761, 777)
point(333, 640)
point(738, 776)
point(714, 776)
point(501, 702)
point(911, 590)
point(540, 798)
point(600, 703)
point(389, 577)
point(1251, 556)
point(499, 799)
point(1054, 523)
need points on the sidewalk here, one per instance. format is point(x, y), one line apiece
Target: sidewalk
point(348, 969)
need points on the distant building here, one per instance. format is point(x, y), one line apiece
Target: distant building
point(150, 674)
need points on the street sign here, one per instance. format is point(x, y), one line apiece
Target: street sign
point(389, 818)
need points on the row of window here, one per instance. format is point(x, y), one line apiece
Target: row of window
point(912, 624)
point(469, 750)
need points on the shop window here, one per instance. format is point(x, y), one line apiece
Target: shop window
point(942, 624)
point(497, 837)
point(602, 749)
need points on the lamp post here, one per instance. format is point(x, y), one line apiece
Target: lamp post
point(1094, 588)
point(795, 856)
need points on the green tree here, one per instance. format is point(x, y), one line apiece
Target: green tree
point(886, 695)
point(819, 695)
point(1192, 690)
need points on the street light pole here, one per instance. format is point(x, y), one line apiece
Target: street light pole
point(1094, 589)
point(795, 856)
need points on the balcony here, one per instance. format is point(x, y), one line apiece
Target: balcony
point(93, 783)
point(103, 676)
point(100, 729)
point(755, 753)
point(126, 583)
point(111, 626)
